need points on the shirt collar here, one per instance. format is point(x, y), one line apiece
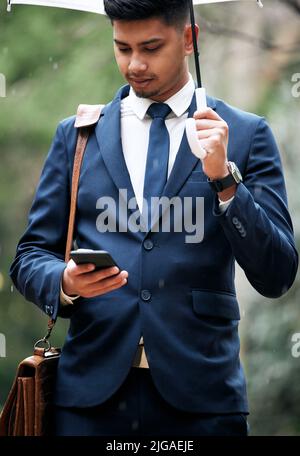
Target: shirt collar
point(179, 102)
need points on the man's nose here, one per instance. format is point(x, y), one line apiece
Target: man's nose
point(137, 65)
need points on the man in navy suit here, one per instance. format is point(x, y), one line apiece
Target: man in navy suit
point(153, 349)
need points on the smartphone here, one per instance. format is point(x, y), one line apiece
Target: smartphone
point(100, 258)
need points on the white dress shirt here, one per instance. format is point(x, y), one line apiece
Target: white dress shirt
point(135, 128)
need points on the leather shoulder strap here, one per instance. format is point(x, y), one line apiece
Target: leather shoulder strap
point(87, 116)
point(83, 136)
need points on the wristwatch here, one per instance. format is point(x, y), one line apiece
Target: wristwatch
point(234, 177)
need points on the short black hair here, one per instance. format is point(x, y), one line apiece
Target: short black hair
point(172, 12)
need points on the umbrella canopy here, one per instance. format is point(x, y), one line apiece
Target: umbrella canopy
point(97, 6)
point(93, 6)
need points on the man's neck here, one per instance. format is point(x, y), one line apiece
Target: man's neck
point(161, 98)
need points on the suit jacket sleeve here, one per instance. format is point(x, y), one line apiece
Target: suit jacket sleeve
point(39, 262)
point(257, 224)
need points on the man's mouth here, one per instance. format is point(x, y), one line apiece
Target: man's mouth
point(140, 82)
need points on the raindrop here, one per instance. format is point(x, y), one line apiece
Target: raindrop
point(257, 190)
point(284, 290)
point(12, 289)
point(2, 346)
point(161, 283)
point(2, 85)
point(1, 281)
point(122, 406)
point(55, 66)
point(135, 425)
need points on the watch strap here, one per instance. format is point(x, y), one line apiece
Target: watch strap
point(220, 185)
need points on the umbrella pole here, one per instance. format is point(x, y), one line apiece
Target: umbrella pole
point(196, 50)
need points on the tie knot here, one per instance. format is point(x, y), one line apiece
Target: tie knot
point(160, 110)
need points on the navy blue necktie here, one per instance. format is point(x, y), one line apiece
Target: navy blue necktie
point(158, 154)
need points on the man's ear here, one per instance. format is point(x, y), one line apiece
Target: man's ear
point(188, 38)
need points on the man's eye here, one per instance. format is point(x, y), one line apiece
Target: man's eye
point(152, 49)
point(124, 50)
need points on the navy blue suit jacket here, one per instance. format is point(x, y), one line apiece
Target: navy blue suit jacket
point(181, 297)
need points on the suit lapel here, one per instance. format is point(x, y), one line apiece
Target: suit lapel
point(108, 134)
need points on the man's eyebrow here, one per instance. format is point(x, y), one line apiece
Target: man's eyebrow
point(143, 43)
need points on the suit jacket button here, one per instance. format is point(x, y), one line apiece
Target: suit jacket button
point(146, 295)
point(235, 221)
point(49, 310)
point(148, 244)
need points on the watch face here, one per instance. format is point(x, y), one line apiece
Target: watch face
point(235, 172)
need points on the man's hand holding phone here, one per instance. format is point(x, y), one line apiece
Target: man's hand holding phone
point(87, 281)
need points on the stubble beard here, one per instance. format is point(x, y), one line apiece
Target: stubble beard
point(145, 94)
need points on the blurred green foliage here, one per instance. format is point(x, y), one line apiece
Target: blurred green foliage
point(55, 59)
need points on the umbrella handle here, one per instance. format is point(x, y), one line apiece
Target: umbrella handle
point(190, 127)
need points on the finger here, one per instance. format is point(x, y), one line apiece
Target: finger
point(212, 143)
point(206, 124)
point(106, 282)
point(102, 291)
point(78, 269)
point(113, 280)
point(96, 276)
point(213, 132)
point(207, 113)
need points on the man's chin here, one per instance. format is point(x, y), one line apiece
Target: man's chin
point(146, 93)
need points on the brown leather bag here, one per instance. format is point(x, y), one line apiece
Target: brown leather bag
point(28, 410)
